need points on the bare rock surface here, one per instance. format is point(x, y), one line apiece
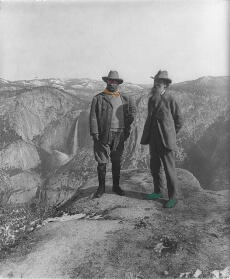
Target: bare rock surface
point(19, 155)
point(130, 237)
point(24, 186)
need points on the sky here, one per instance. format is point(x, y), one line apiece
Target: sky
point(87, 39)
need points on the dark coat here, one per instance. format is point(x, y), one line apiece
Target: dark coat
point(101, 114)
point(169, 120)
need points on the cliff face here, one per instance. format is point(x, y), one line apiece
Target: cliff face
point(208, 157)
point(19, 155)
point(45, 146)
point(206, 131)
point(34, 123)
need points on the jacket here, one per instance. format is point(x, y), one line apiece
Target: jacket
point(101, 114)
point(169, 120)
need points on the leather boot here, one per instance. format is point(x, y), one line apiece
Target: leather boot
point(101, 169)
point(116, 168)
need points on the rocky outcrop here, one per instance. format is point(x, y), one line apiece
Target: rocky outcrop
point(24, 186)
point(140, 181)
point(19, 188)
point(69, 178)
point(19, 155)
point(128, 236)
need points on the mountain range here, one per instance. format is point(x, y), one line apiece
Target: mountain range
point(46, 149)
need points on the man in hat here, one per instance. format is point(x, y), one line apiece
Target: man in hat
point(111, 116)
point(163, 122)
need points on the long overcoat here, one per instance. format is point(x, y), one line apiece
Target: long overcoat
point(168, 117)
point(101, 114)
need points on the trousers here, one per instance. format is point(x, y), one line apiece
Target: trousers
point(160, 157)
point(113, 150)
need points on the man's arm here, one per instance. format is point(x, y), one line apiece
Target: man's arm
point(131, 113)
point(93, 119)
point(177, 115)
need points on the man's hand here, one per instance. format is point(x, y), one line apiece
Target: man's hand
point(95, 137)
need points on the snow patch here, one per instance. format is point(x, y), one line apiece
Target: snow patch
point(77, 86)
point(4, 81)
point(57, 81)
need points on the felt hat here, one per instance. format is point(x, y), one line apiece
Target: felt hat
point(162, 75)
point(114, 76)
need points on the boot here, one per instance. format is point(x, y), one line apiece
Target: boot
point(116, 167)
point(101, 169)
point(171, 203)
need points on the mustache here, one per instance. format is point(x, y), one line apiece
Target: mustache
point(111, 88)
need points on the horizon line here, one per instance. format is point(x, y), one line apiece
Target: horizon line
point(36, 78)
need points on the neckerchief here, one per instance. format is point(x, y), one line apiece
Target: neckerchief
point(112, 94)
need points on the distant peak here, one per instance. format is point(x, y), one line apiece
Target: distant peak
point(204, 79)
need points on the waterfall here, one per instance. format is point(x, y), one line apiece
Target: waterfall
point(62, 158)
point(75, 139)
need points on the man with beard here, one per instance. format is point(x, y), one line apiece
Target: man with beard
point(163, 122)
point(111, 116)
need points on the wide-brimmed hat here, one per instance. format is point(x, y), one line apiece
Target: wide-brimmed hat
point(162, 75)
point(113, 75)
